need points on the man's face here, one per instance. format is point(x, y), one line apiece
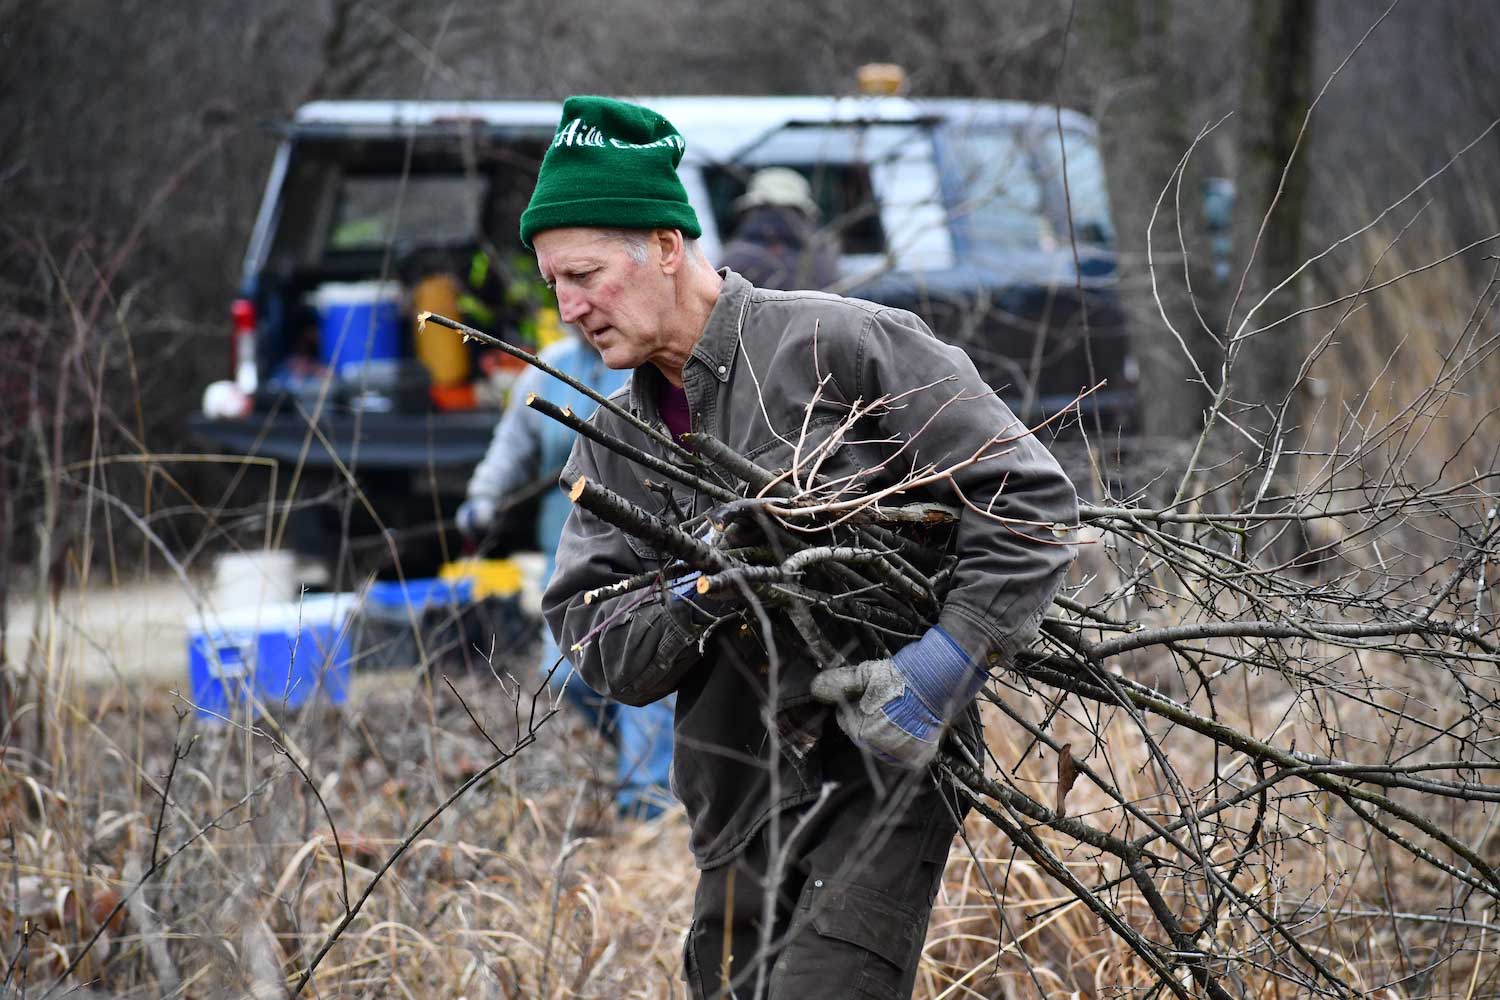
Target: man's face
point(617, 303)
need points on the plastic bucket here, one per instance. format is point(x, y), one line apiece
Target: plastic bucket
point(358, 322)
point(251, 579)
point(488, 577)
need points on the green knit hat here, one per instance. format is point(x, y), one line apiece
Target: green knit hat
point(611, 165)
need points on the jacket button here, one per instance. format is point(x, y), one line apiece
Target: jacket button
point(722, 369)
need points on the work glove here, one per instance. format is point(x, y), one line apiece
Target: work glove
point(475, 516)
point(897, 708)
point(685, 587)
point(701, 609)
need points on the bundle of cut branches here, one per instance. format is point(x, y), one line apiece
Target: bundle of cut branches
point(785, 537)
point(858, 570)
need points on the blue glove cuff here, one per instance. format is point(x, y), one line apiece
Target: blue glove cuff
point(940, 673)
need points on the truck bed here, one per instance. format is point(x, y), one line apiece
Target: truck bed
point(368, 440)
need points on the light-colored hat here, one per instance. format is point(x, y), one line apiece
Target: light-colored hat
point(777, 186)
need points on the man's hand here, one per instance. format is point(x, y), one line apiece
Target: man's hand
point(476, 516)
point(897, 708)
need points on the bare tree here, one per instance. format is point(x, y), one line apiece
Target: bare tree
point(1273, 146)
point(1131, 51)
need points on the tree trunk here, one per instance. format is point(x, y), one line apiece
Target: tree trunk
point(1143, 131)
point(1277, 89)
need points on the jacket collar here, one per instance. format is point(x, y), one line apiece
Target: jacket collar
point(720, 341)
point(716, 347)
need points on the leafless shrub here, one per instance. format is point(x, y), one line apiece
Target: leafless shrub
point(1272, 619)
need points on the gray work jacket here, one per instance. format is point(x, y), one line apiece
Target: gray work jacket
point(749, 381)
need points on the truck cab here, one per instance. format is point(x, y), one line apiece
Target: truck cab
point(956, 209)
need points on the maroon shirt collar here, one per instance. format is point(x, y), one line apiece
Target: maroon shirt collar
point(672, 404)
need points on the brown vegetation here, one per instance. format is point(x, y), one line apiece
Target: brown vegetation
point(531, 879)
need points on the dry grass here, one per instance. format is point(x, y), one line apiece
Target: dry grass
point(529, 878)
point(529, 887)
point(1408, 369)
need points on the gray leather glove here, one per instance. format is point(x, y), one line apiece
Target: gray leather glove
point(897, 708)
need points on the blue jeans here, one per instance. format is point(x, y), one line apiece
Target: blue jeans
point(642, 735)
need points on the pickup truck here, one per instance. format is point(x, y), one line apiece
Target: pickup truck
point(953, 208)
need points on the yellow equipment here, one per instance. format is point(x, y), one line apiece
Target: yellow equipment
point(440, 349)
point(492, 577)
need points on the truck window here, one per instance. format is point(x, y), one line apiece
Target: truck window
point(371, 210)
point(845, 197)
point(876, 185)
point(1002, 196)
point(344, 198)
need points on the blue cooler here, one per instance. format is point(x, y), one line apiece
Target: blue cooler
point(358, 322)
point(281, 653)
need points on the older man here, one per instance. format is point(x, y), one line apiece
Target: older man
point(819, 859)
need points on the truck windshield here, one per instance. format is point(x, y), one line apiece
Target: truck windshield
point(1013, 195)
